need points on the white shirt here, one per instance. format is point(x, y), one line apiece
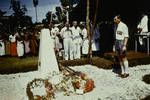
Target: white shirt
point(55, 31)
point(76, 32)
point(143, 24)
point(63, 30)
point(67, 34)
point(84, 33)
point(121, 31)
point(12, 38)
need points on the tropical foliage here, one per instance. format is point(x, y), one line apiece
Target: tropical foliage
point(18, 20)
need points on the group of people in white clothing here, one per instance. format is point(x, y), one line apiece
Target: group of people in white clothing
point(76, 42)
point(69, 41)
point(73, 39)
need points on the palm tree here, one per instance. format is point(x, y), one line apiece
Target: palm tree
point(35, 3)
point(18, 18)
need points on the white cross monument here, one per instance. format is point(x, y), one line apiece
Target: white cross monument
point(47, 63)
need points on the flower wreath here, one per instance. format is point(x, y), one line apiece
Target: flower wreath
point(77, 82)
point(39, 83)
point(82, 84)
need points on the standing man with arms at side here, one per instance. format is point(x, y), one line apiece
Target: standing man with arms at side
point(77, 40)
point(120, 47)
point(66, 34)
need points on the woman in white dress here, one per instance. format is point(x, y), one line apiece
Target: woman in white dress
point(20, 47)
point(96, 41)
point(47, 59)
point(85, 42)
point(2, 47)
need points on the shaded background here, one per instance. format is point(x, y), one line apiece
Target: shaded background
point(129, 10)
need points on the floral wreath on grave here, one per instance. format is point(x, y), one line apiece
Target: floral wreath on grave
point(82, 83)
point(39, 83)
point(70, 83)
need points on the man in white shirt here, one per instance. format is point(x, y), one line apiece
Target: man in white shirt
point(66, 34)
point(142, 27)
point(121, 40)
point(76, 31)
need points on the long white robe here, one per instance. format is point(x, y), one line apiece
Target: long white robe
point(47, 60)
point(85, 42)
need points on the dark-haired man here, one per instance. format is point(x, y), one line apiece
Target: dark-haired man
point(120, 47)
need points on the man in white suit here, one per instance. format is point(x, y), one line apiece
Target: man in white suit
point(77, 40)
point(67, 40)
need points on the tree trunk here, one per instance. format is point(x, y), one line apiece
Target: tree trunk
point(95, 16)
point(88, 31)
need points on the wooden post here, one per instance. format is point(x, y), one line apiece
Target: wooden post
point(90, 30)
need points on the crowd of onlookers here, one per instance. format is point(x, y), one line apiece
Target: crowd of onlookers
point(70, 41)
point(19, 44)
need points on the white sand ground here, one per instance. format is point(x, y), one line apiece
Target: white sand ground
point(108, 85)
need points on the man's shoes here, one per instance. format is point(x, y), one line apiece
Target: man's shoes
point(123, 75)
point(126, 75)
